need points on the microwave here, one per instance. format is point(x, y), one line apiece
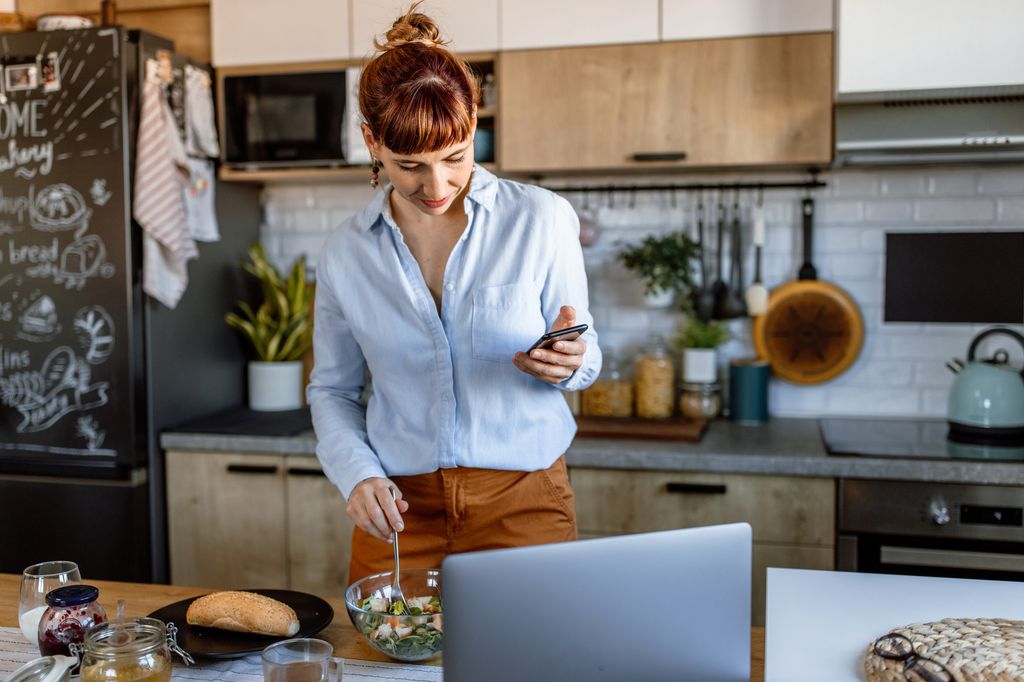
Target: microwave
point(282, 119)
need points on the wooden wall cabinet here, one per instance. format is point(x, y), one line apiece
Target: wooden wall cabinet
point(240, 520)
point(293, 31)
point(793, 518)
point(760, 101)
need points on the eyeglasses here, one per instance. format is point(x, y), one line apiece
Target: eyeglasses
point(916, 668)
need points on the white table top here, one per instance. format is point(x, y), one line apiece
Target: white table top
point(819, 623)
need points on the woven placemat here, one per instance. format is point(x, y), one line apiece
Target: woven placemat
point(972, 649)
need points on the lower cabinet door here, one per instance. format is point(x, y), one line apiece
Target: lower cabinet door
point(319, 530)
point(782, 556)
point(226, 520)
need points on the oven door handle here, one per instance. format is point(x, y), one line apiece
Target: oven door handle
point(938, 558)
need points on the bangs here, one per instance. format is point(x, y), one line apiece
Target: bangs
point(424, 116)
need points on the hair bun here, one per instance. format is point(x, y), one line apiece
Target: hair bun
point(413, 27)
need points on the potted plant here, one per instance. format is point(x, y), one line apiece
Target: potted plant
point(280, 330)
point(665, 264)
point(698, 341)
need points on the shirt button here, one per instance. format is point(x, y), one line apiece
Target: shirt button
point(449, 286)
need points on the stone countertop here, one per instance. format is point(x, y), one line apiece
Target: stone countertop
point(784, 447)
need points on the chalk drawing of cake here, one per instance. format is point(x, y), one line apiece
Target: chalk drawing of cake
point(58, 208)
point(39, 321)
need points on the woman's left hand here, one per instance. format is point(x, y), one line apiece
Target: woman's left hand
point(556, 364)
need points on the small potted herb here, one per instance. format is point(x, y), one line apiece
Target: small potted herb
point(698, 341)
point(665, 264)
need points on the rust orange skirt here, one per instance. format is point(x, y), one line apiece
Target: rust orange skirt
point(463, 509)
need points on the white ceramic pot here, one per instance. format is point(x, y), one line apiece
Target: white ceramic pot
point(275, 386)
point(699, 365)
point(660, 299)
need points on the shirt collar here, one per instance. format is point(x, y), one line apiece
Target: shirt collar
point(483, 187)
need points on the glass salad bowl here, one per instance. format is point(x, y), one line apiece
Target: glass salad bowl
point(413, 637)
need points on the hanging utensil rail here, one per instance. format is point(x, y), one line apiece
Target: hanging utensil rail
point(813, 183)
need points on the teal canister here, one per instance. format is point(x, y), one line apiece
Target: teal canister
point(748, 390)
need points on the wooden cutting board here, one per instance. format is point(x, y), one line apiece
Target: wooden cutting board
point(673, 428)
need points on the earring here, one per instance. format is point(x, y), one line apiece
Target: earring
point(375, 174)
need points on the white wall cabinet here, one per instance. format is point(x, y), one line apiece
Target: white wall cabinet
point(928, 44)
point(528, 24)
point(287, 32)
point(697, 19)
point(471, 25)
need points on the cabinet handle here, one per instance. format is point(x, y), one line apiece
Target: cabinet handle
point(307, 472)
point(251, 469)
point(659, 156)
point(696, 488)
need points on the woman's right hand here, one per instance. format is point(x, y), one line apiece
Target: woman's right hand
point(373, 509)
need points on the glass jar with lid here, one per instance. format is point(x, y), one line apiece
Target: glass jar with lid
point(700, 400)
point(136, 650)
point(655, 382)
point(70, 611)
point(611, 395)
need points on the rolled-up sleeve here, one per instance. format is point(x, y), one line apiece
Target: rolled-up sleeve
point(334, 391)
point(566, 284)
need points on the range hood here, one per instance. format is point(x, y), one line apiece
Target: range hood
point(955, 125)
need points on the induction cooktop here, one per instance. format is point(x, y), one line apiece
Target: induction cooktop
point(917, 438)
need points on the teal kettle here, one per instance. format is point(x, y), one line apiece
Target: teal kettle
point(986, 401)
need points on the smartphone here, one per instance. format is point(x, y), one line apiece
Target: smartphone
point(567, 334)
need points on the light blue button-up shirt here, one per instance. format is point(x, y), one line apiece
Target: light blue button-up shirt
point(445, 391)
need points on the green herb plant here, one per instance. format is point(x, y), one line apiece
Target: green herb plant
point(281, 329)
point(694, 333)
point(664, 263)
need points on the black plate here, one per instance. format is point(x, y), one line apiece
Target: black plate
point(314, 615)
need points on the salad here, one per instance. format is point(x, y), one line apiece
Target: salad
point(416, 635)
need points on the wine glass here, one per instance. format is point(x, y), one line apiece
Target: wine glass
point(36, 581)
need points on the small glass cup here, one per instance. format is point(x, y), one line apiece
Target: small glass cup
point(36, 581)
point(301, 660)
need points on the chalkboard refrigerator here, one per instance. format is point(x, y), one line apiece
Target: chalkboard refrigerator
point(90, 368)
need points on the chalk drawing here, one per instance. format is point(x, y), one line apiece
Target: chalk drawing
point(100, 194)
point(80, 261)
point(38, 322)
point(63, 385)
point(89, 429)
point(95, 331)
point(58, 208)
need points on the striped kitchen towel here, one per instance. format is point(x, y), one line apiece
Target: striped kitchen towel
point(161, 176)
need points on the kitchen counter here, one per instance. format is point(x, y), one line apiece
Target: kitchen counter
point(143, 599)
point(782, 447)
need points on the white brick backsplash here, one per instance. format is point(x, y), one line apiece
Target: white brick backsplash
point(855, 184)
point(904, 184)
point(838, 212)
point(954, 211)
point(1006, 181)
point(874, 401)
point(953, 183)
point(872, 240)
point(1011, 211)
point(836, 240)
point(901, 368)
point(892, 212)
point(935, 402)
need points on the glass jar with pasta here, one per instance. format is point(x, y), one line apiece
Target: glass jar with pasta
point(655, 382)
point(612, 394)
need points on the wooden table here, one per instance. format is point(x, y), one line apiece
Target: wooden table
point(143, 599)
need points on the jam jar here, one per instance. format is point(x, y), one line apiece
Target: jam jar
point(137, 650)
point(70, 611)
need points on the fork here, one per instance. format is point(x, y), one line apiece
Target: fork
point(396, 588)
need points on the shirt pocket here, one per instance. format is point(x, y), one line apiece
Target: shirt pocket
point(506, 318)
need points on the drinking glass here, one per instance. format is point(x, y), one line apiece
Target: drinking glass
point(36, 581)
point(301, 660)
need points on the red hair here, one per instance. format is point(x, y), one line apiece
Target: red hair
point(415, 95)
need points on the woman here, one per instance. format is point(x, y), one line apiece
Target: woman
point(439, 285)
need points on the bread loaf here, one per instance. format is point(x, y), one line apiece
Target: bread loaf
point(243, 612)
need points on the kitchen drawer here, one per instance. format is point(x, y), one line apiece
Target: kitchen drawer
point(767, 555)
point(781, 509)
point(319, 530)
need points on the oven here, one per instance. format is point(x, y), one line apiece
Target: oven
point(948, 530)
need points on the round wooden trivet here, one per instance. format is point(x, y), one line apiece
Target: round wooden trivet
point(972, 649)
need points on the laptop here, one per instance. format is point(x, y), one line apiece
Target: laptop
point(671, 605)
